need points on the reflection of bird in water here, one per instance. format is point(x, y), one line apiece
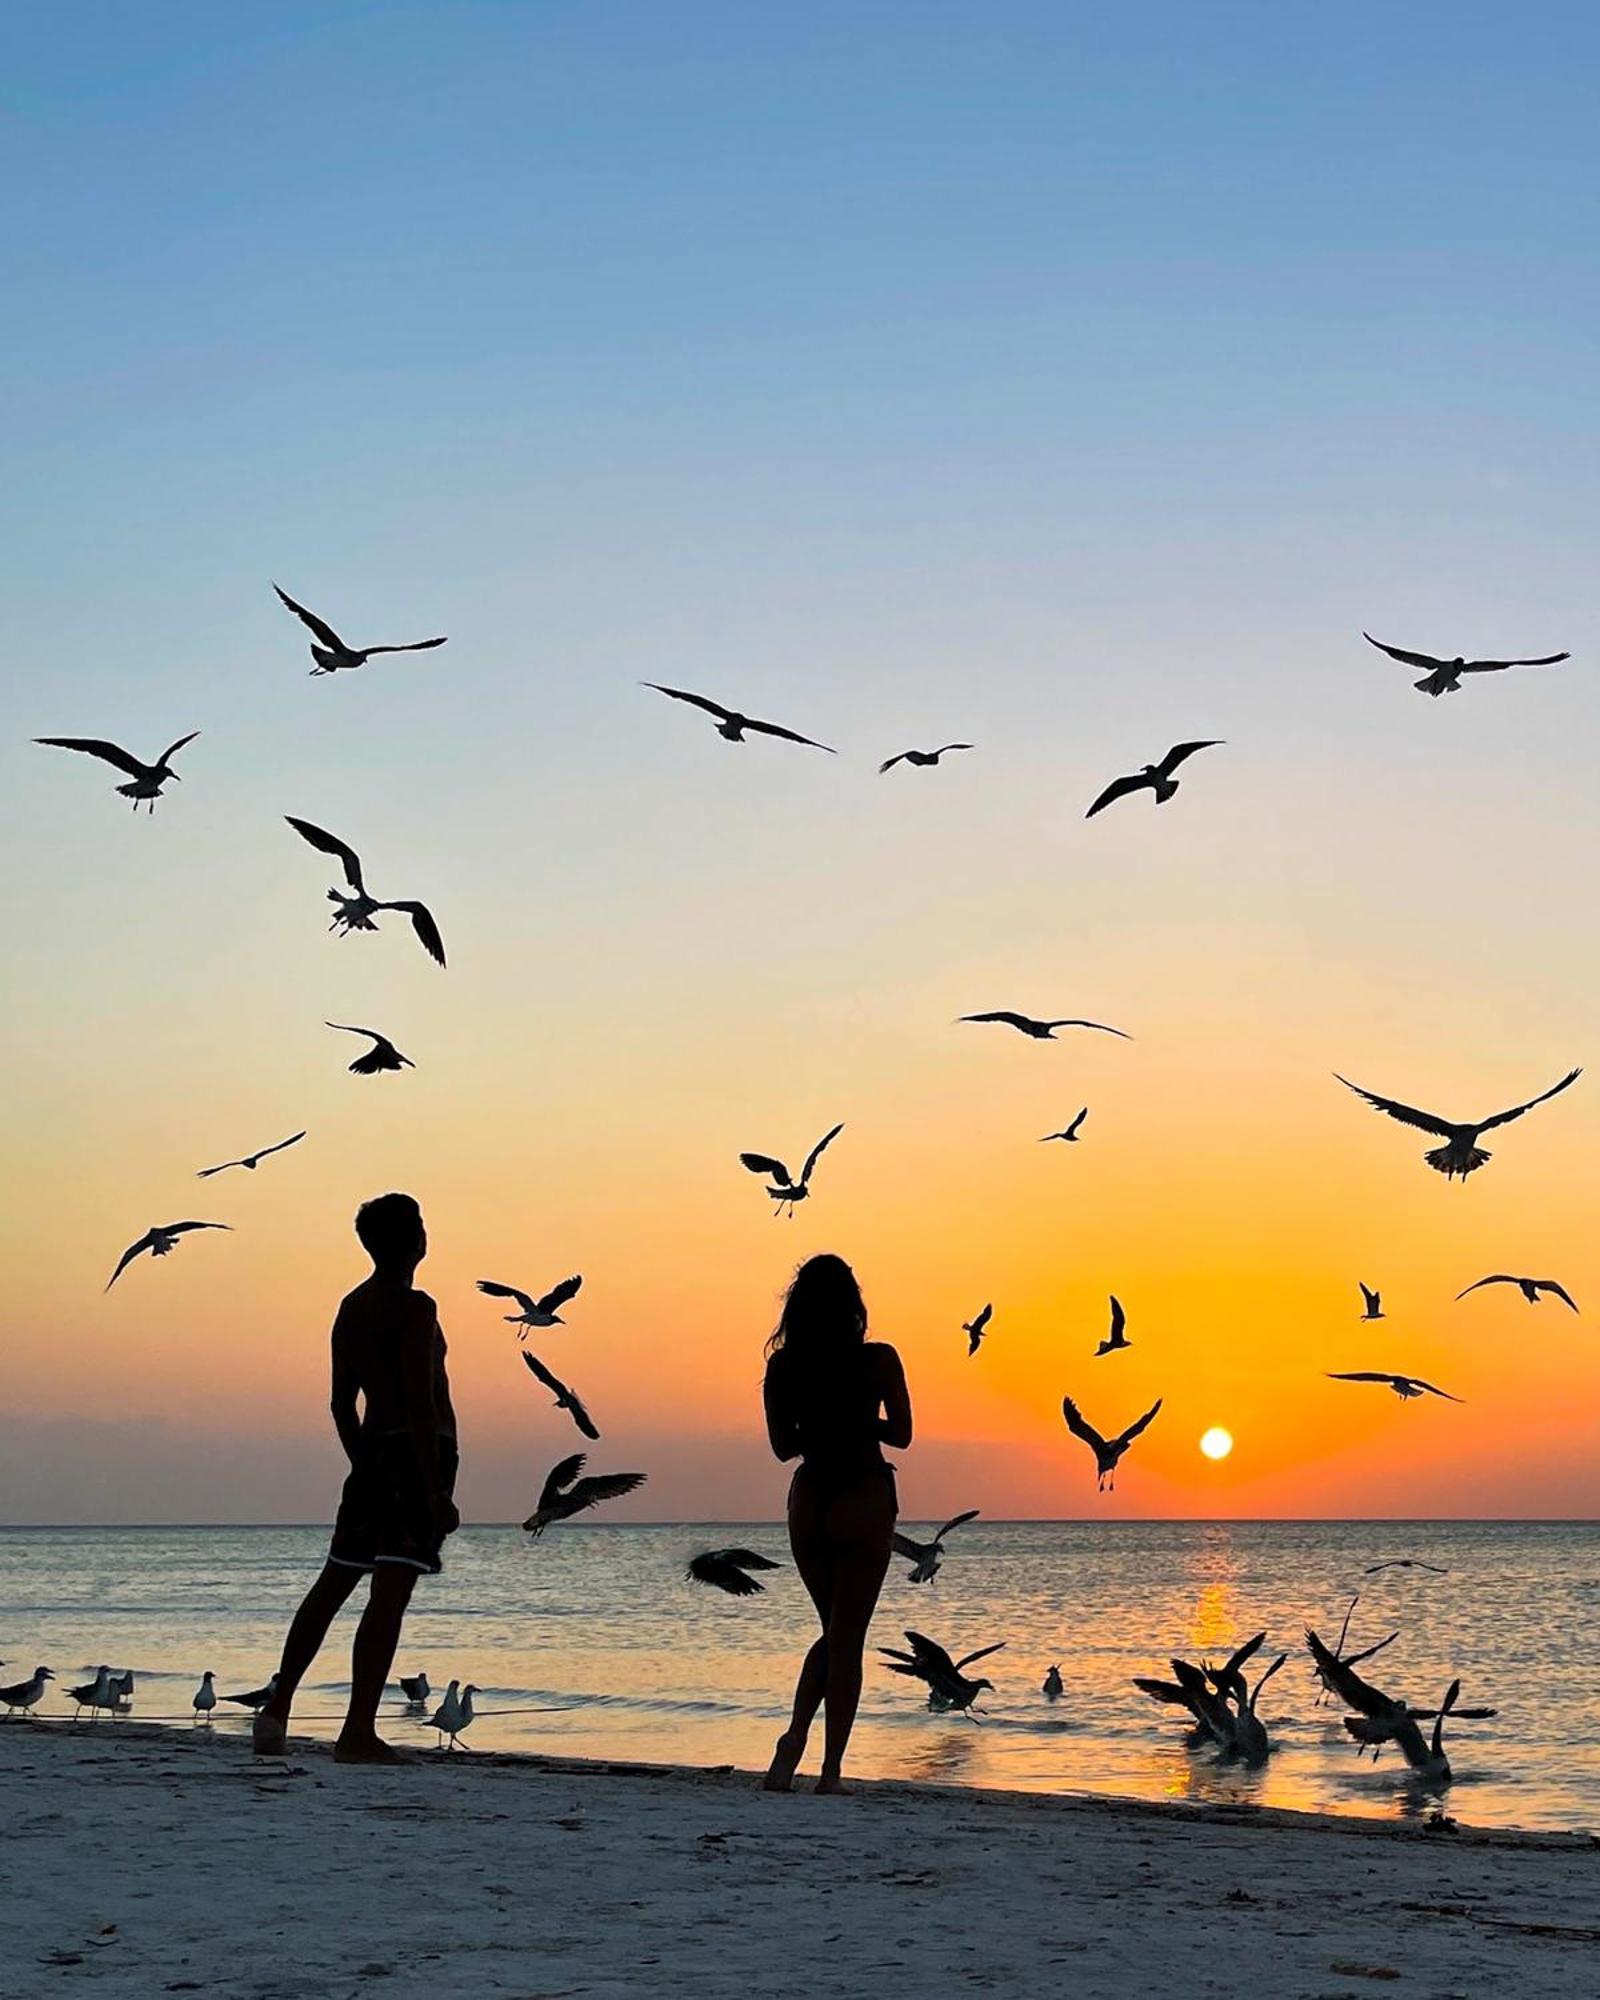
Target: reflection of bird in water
point(415, 1688)
point(148, 779)
point(1406, 1387)
point(161, 1239)
point(925, 1558)
point(565, 1494)
point(251, 1160)
point(535, 1312)
point(205, 1697)
point(356, 911)
point(1382, 1718)
point(1444, 676)
point(1371, 1302)
point(257, 1698)
point(1053, 1688)
point(1404, 1562)
point(1040, 1031)
point(975, 1328)
point(730, 723)
point(948, 1686)
point(1157, 778)
point(1530, 1288)
point(382, 1055)
point(1461, 1154)
point(333, 653)
point(1107, 1451)
point(566, 1399)
point(1070, 1134)
point(922, 757)
point(24, 1695)
point(1116, 1340)
point(724, 1569)
point(788, 1191)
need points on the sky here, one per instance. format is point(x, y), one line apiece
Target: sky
point(1069, 380)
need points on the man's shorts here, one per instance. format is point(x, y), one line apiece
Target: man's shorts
point(384, 1517)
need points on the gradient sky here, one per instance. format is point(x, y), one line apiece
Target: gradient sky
point(1073, 380)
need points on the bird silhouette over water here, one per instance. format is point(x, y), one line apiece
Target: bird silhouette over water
point(926, 1558)
point(415, 1688)
point(1371, 1302)
point(1107, 1451)
point(1157, 778)
point(1052, 1688)
point(148, 779)
point(355, 912)
point(787, 1191)
point(566, 1399)
point(725, 1570)
point(382, 1055)
point(565, 1494)
point(534, 1312)
point(251, 1160)
point(921, 757)
point(975, 1328)
point(333, 654)
point(1116, 1340)
point(1406, 1387)
point(1444, 676)
point(1461, 1154)
point(161, 1239)
point(1404, 1562)
point(731, 724)
point(949, 1687)
point(1383, 1718)
point(1071, 1132)
point(1040, 1031)
point(1530, 1288)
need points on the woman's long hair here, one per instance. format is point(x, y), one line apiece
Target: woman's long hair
point(824, 1316)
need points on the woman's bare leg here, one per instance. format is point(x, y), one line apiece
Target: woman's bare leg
point(815, 1563)
point(863, 1525)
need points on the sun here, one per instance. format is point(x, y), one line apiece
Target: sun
point(1217, 1442)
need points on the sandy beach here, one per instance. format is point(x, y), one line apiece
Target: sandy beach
point(142, 1861)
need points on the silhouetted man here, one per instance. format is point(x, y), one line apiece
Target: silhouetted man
point(397, 1505)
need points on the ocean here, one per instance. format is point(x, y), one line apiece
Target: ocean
point(590, 1643)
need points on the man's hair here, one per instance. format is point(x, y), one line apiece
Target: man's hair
point(389, 1226)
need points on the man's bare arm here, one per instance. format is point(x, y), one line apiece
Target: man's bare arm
point(342, 1397)
point(416, 1386)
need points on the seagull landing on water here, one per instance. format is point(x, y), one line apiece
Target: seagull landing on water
point(1461, 1154)
point(1382, 1718)
point(1371, 1302)
point(1107, 1451)
point(948, 1686)
point(1041, 1031)
point(415, 1688)
point(566, 1399)
point(926, 1558)
point(148, 779)
point(23, 1695)
point(565, 1494)
point(205, 1697)
point(333, 653)
point(160, 1240)
point(1052, 1687)
point(975, 1328)
point(787, 1191)
point(731, 724)
point(382, 1055)
point(1116, 1340)
point(724, 1569)
point(1530, 1288)
point(356, 911)
point(251, 1160)
point(534, 1312)
point(1156, 778)
point(921, 757)
point(1070, 1133)
point(1406, 1387)
point(1444, 676)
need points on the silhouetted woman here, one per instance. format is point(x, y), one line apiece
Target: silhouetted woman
point(833, 1400)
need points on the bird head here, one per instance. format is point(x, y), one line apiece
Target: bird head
point(982, 1682)
point(43, 1674)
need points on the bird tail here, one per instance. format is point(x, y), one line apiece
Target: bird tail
point(1455, 1159)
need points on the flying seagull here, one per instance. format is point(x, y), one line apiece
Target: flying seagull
point(731, 724)
point(148, 779)
point(1157, 778)
point(415, 1688)
point(1382, 1718)
point(535, 1312)
point(565, 1494)
point(724, 1569)
point(1071, 1132)
point(382, 1055)
point(1116, 1340)
point(1406, 1387)
point(1444, 676)
point(1404, 1562)
point(566, 1399)
point(333, 653)
point(1371, 1302)
point(975, 1328)
point(1041, 1031)
point(251, 1160)
point(1107, 1451)
point(788, 1190)
point(1530, 1288)
point(1461, 1154)
point(948, 1686)
point(160, 1240)
point(355, 913)
point(922, 757)
point(925, 1558)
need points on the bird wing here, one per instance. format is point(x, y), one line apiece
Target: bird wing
point(320, 626)
point(1407, 1114)
point(957, 1521)
point(327, 843)
point(282, 1146)
point(694, 700)
point(95, 746)
point(1104, 1030)
point(128, 1256)
point(426, 929)
point(1560, 1291)
point(559, 1478)
point(1119, 788)
point(1142, 1423)
point(904, 1546)
point(763, 1163)
point(1417, 1382)
point(1119, 1319)
point(1346, 1684)
point(499, 1291)
point(540, 1373)
point(205, 1173)
point(172, 749)
point(1180, 751)
point(603, 1486)
point(1371, 1297)
point(559, 1294)
point(1363, 1375)
point(1011, 1019)
point(713, 1569)
point(1399, 653)
point(1498, 1278)
point(415, 646)
point(1080, 1427)
point(178, 1228)
point(1505, 1117)
point(1077, 1122)
point(580, 1416)
point(1496, 666)
point(929, 1655)
point(817, 1152)
point(945, 747)
point(889, 763)
point(749, 1559)
point(981, 1320)
point(982, 1653)
point(788, 735)
point(1238, 1657)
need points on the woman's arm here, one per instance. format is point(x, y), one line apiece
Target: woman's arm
point(781, 1432)
point(894, 1427)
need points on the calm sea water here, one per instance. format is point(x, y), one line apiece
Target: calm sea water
point(590, 1643)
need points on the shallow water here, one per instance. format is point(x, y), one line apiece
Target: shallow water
point(597, 1624)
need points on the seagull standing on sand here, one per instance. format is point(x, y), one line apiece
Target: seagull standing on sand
point(356, 911)
point(1157, 778)
point(1070, 1134)
point(920, 757)
point(731, 724)
point(333, 653)
point(24, 1694)
point(1461, 1154)
point(1530, 1288)
point(205, 1697)
point(566, 1399)
point(786, 1189)
point(382, 1055)
point(1116, 1340)
point(565, 1494)
point(975, 1328)
point(251, 1160)
point(160, 1240)
point(534, 1312)
point(925, 1558)
point(1444, 676)
point(454, 1715)
point(257, 1698)
point(93, 1695)
point(1107, 1451)
point(724, 1569)
point(1371, 1302)
point(1406, 1387)
point(948, 1686)
point(1041, 1031)
point(415, 1688)
point(1052, 1688)
point(148, 779)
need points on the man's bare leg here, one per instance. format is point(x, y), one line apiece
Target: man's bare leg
point(308, 1628)
point(371, 1657)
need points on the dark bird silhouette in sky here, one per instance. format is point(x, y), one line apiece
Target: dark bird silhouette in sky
point(1116, 1340)
point(1107, 1451)
point(1040, 1031)
point(566, 1399)
point(1444, 676)
point(160, 1240)
point(1461, 1154)
point(251, 1160)
point(1371, 1302)
point(1071, 1132)
point(382, 1055)
point(975, 1328)
point(948, 1685)
point(724, 1569)
point(333, 653)
point(565, 1494)
point(925, 1558)
point(1156, 778)
point(534, 1312)
point(1406, 1387)
point(731, 724)
point(355, 912)
point(1530, 1288)
point(788, 1192)
point(1404, 1562)
point(922, 757)
point(148, 779)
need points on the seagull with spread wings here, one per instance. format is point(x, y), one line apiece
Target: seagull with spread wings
point(925, 1558)
point(355, 912)
point(1371, 1302)
point(1404, 1562)
point(921, 757)
point(1444, 676)
point(1461, 1154)
point(1070, 1133)
point(724, 1569)
point(1107, 1451)
point(565, 1494)
point(1040, 1031)
point(1116, 1341)
point(975, 1329)
point(148, 779)
point(251, 1160)
point(1157, 778)
point(948, 1686)
point(731, 724)
point(1406, 1387)
point(1530, 1288)
point(333, 653)
point(566, 1399)
point(160, 1240)
point(535, 1312)
point(382, 1055)
point(787, 1191)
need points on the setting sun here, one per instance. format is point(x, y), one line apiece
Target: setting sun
point(1217, 1442)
